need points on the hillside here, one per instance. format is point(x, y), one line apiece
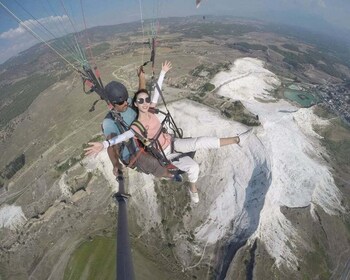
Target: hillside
point(275, 207)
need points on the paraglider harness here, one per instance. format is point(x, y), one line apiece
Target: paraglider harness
point(92, 80)
point(136, 147)
point(153, 145)
point(142, 144)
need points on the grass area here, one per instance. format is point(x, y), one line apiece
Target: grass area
point(198, 30)
point(231, 110)
point(340, 150)
point(246, 47)
point(93, 260)
point(327, 44)
point(317, 262)
point(212, 70)
point(100, 48)
point(14, 166)
point(97, 138)
point(207, 87)
point(70, 162)
point(291, 47)
point(319, 60)
point(323, 113)
point(236, 111)
point(336, 138)
point(96, 259)
point(22, 93)
point(67, 164)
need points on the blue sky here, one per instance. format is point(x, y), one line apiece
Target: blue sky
point(52, 13)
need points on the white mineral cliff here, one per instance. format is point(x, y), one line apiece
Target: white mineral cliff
point(242, 188)
point(11, 217)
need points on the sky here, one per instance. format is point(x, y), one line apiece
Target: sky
point(58, 16)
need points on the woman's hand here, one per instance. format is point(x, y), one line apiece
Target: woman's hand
point(94, 149)
point(142, 79)
point(166, 66)
point(140, 71)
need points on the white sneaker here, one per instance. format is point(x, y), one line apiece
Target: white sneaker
point(194, 196)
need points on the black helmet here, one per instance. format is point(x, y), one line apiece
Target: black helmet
point(116, 92)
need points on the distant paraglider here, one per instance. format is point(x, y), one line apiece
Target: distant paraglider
point(198, 2)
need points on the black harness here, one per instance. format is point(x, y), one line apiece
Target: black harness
point(154, 147)
point(135, 147)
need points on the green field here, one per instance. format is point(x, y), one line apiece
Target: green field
point(22, 93)
point(96, 259)
point(93, 260)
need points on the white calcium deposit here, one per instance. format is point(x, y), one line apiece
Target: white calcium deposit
point(11, 217)
point(242, 188)
point(299, 175)
point(140, 186)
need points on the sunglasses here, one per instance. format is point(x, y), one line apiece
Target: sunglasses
point(118, 103)
point(141, 100)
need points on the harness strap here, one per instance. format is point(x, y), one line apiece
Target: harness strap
point(171, 120)
point(154, 146)
point(143, 131)
point(172, 145)
point(135, 158)
point(155, 140)
point(140, 126)
point(161, 129)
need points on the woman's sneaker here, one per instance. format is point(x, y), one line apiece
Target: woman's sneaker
point(194, 196)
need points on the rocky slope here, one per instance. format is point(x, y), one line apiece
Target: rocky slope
point(269, 208)
point(248, 192)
